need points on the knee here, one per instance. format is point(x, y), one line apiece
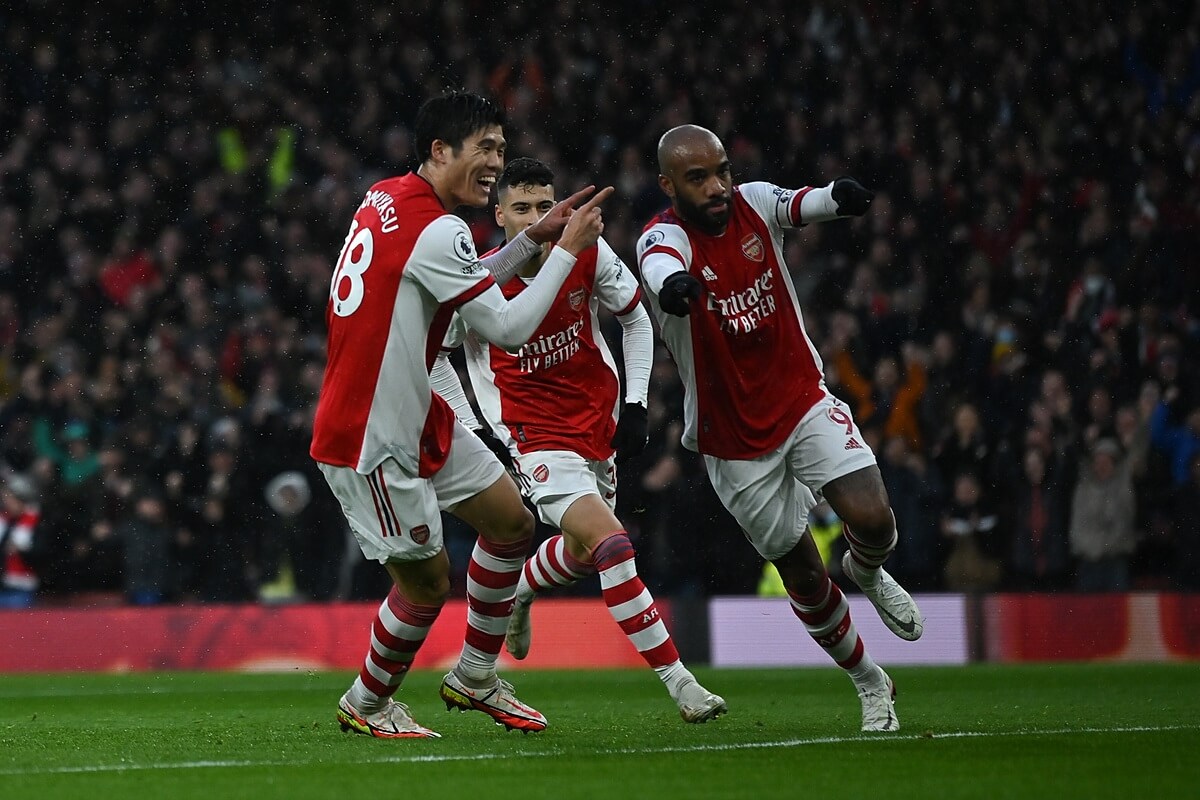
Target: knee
point(805, 580)
point(427, 588)
point(433, 593)
point(872, 519)
point(515, 527)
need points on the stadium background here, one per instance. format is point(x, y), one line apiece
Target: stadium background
point(174, 183)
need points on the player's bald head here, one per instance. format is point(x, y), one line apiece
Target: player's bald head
point(683, 143)
point(694, 172)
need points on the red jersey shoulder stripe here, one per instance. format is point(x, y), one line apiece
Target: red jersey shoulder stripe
point(473, 292)
point(670, 251)
point(637, 298)
point(794, 208)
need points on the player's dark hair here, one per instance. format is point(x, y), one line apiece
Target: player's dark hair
point(524, 172)
point(452, 117)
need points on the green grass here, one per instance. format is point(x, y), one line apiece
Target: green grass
point(1060, 731)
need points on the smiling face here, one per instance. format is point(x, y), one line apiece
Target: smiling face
point(522, 205)
point(468, 173)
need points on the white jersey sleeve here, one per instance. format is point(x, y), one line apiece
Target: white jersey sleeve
point(790, 208)
point(618, 291)
point(456, 334)
point(662, 250)
point(510, 323)
point(614, 286)
point(774, 203)
point(444, 380)
point(444, 262)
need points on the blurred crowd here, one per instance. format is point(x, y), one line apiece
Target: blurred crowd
point(1016, 323)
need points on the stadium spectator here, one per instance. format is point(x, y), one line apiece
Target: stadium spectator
point(965, 447)
point(1179, 443)
point(975, 543)
point(1103, 508)
point(20, 542)
point(1185, 562)
point(915, 488)
point(145, 537)
point(1038, 557)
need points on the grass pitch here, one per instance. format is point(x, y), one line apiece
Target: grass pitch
point(1057, 731)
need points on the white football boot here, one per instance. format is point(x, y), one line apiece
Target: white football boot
point(896, 607)
point(879, 704)
point(495, 699)
point(697, 704)
point(520, 632)
point(393, 721)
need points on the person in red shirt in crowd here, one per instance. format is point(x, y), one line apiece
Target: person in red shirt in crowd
point(19, 515)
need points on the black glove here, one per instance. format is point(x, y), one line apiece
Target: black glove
point(852, 198)
point(677, 290)
point(630, 438)
point(496, 446)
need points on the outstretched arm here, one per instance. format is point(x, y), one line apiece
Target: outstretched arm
point(506, 261)
point(844, 197)
point(510, 323)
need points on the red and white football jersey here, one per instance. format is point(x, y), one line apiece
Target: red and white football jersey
point(749, 370)
point(16, 540)
point(405, 266)
point(560, 391)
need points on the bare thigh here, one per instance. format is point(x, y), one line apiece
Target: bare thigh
point(497, 513)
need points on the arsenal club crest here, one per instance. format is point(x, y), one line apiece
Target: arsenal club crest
point(540, 473)
point(576, 297)
point(752, 247)
point(420, 534)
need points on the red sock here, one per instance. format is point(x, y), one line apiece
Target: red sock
point(491, 582)
point(826, 617)
point(550, 567)
point(398, 632)
point(630, 603)
point(869, 556)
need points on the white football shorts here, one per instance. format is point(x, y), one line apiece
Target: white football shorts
point(396, 515)
point(771, 496)
point(554, 479)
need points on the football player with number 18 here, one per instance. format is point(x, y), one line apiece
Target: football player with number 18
point(390, 449)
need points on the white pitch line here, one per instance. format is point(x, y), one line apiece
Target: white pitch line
point(124, 691)
point(639, 751)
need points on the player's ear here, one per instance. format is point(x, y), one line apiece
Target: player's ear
point(440, 151)
point(667, 185)
point(499, 215)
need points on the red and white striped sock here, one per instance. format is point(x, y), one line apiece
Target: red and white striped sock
point(549, 567)
point(826, 617)
point(632, 606)
point(399, 629)
point(491, 583)
point(868, 558)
